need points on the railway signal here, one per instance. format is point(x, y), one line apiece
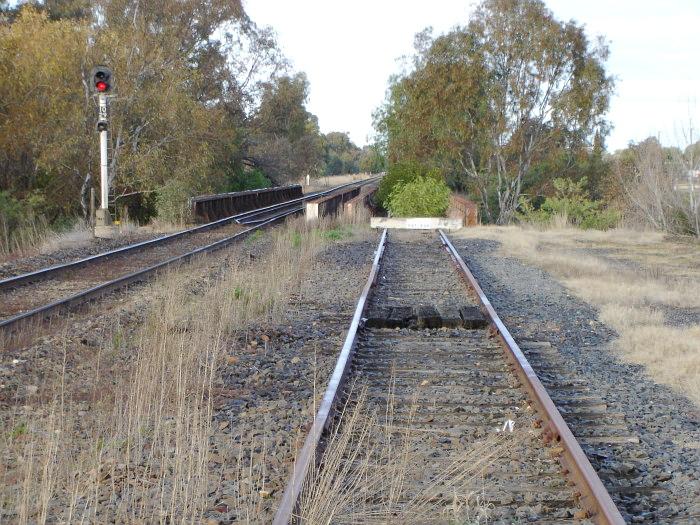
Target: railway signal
point(101, 85)
point(101, 77)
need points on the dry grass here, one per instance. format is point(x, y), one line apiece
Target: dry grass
point(635, 278)
point(132, 442)
point(159, 226)
point(140, 451)
point(369, 465)
point(79, 236)
point(35, 236)
point(22, 239)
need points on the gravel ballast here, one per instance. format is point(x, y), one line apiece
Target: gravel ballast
point(263, 394)
point(271, 387)
point(535, 307)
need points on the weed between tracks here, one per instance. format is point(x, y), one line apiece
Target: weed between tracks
point(371, 467)
point(132, 443)
point(638, 280)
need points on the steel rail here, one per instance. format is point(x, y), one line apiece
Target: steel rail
point(248, 222)
point(241, 218)
point(285, 512)
point(594, 497)
point(125, 280)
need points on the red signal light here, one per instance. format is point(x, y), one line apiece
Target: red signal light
point(101, 86)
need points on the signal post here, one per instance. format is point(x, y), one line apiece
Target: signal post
point(101, 85)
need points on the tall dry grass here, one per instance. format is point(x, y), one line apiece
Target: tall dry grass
point(132, 442)
point(325, 182)
point(636, 287)
point(139, 451)
point(23, 238)
point(373, 472)
point(34, 235)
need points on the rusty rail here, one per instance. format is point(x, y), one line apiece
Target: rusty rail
point(594, 498)
point(285, 512)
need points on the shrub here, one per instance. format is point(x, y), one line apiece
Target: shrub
point(570, 202)
point(421, 197)
point(250, 180)
point(402, 173)
point(337, 233)
point(172, 202)
point(11, 210)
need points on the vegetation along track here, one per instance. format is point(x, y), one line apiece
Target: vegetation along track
point(38, 294)
point(421, 349)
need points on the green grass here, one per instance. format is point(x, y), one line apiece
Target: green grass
point(117, 339)
point(255, 236)
point(18, 431)
point(337, 234)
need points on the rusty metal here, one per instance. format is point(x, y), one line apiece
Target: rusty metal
point(290, 498)
point(594, 498)
point(464, 209)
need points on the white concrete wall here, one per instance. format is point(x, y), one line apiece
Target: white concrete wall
point(416, 223)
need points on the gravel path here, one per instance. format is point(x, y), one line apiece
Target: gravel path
point(535, 307)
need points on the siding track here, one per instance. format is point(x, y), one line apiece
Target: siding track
point(420, 345)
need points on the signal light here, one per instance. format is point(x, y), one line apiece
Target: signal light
point(101, 79)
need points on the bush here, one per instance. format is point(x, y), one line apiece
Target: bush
point(172, 202)
point(251, 180)
point(421, 197)
point(570, 202)
point(402, 173)
point(11, 211)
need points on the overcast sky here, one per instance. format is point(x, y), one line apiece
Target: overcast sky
point(349, 49)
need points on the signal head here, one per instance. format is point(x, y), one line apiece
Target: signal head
point(101, 79)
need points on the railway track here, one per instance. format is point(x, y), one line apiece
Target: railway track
point(39, 294)
point(453, 376)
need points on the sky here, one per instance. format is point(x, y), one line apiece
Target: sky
point(349, 49)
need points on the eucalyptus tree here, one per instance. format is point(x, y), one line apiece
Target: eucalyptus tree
point(196, 83)
point(488, 99)
point(285, 141)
